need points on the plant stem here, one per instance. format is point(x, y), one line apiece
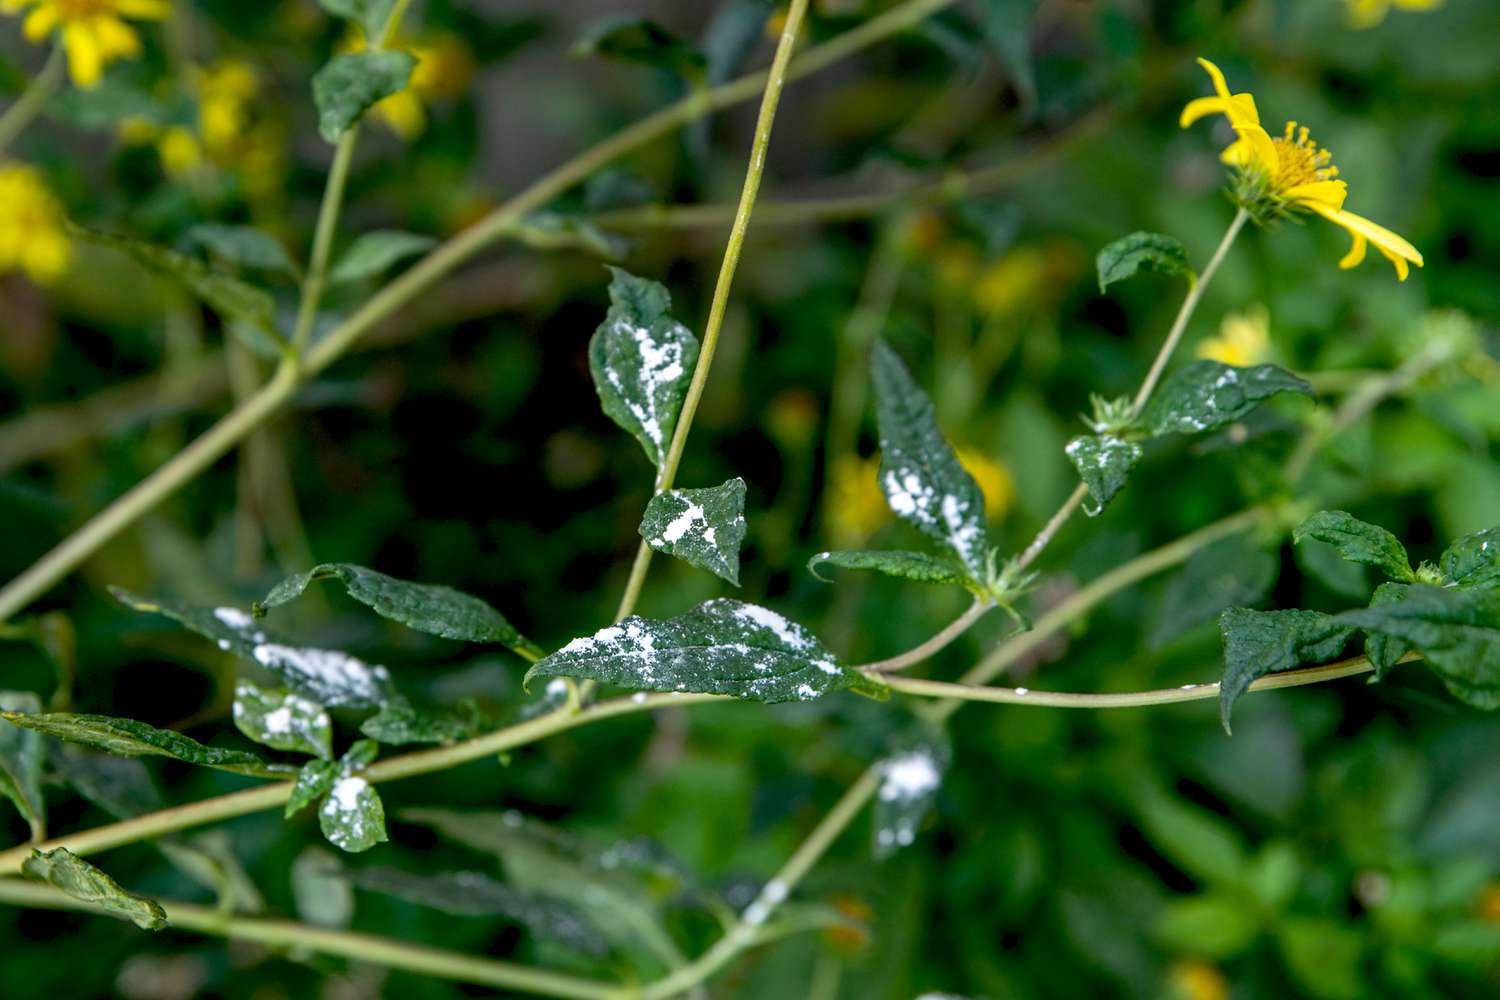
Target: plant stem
point(761, 141)
point(389, 952)
point(26, 107)
point(323, 233)
point(936, 644)
point(224, 435)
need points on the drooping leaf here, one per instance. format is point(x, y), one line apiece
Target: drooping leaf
point(556, 231)
point(642, 361)
point(314, 780)
point(909, 783)
point(920, 473)
point(322, 894)
point(352, 816)
point(22, 754)
point(1149, 251)
point(703, 528)
point(1322, 562)
point(62, 869)
point(327, 676)
point(1257, 643)
point(1208, 394)
point(1473, 560)
point(720, 647)
point(1007, 28)
point(282, 719)
point(1358, 542)
point(1456, 631)
point(373, 253)
point(917, 566)
point(399, 723)
point(426, 607)
point(1103, 462)
point(1233, 571)
point(244, 246)
point(640, 40)
point(370, 15)
point(349, 84)
point(129, 738)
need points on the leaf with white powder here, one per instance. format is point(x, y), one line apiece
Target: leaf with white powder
point(720, 647)
point(920, 474)
point(352, 817)
point(1103, 462)
point(642, 360)
point(129, 738)
point(909, 783)
point(703, 528)
point(1209, 394)
point(283, 720)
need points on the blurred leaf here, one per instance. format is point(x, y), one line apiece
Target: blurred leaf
point(1201, 844)
point(1456, 631)
point(1322, 562)
point(555, 231)
point(399, 723)
point(1209, 394)
point(738, 26)
point(129, 738)
point(1358, 542)
point(909, 783)
point(282, 720)
point(1257, 643)
point(1323, 956)
point(703, 527)
point(720, 647)
point(245, 246)
point(209, 859)
point(370, 15)
point(1231, 571)
point(1129, 254)
point(62, 869)
point(1381, 649)
point(22, 754)
point(640, 40)
point(346, 87)
point(321, 892)
point(121, 786)
point(642, 361)
point(1007, 26)
point(1212, 925)
point(907, 565)
point(1474, 560)
point(1103, 462)
point(920, 474)
point(107, 107)
point(373, 253)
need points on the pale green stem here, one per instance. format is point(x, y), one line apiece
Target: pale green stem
point(327, 227)
point(937, 643)
point(33, 99)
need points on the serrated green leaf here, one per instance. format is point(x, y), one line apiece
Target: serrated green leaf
point(244, 246)
point(1358, 542)
point(642, 360)
point(373, 253)
point(556, 231)
point(129, 738)
point(22, 754)
point(909, 782)
point(1103, 462)
point(1209, 394)
point(1473, 560)
point(1456, 631)
point(703, 528)
point(920, 474)
point(1380, 649)
point(640, 40)
point(370, 15)
point(349, 84)
point(720, 647)
point(62, 869)
point(282, 719)
point(1007, 28)
point(1257, 643)
point(426, 607)
point(1231, 571)
point(917, 566)
point(1150, 251)
point(327, 676)
point(399, 723)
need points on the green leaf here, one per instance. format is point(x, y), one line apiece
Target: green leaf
point(370, 15)
point(1324, 957)
point(472, 894)
point(1212, 925)
point(642, 361)
point(1380, 649)
point(244, 246)
point(313, 782)
point(1231, 571)
point(327, 676)
point(426, 607)
point(1195, 840)
point(720, 647)
point(909, 783)
point(1103, 462)
point(62, 869)
point(349, 84)
point(1007, 28)
point(917, 566)
point(920, 474)
point(321, 893)
point(282, 719)
point(556, 231)
point(398, 724)
point(1257, 643)
point(1358, 542)
point(209, 859)
point(1456, 631)
point(129, 738)
point(22, 754)
point(1473, 560)
point(373, 253)
point(703, 528)
point(352, 816)
point(1208, 394)
point(640, 40)
point(1129, 254)
point(121, 786)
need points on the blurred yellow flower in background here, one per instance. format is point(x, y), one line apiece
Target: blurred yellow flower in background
point(32, 237)
point(856, 507)
point(444, 69)
point(1011, 282)
point(1193, 979)
point(1368, 13)
point(994, 481)
point(94, 32)
point(1244, 339)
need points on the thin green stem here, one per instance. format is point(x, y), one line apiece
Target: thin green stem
point(327, 226)
point(33, 99)
point(936, 644)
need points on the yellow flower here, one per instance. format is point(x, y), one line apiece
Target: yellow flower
point(226, 88)
point(31, 225)
point(1368, 13)
point(1244, 339)
point(94, 32)
point(1290, 173)
point(1197, 980)
point(994, 481)
point(1011, 282)
point(443, 71)
point(856, 507)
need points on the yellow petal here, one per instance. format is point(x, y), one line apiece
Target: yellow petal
point(1330, 193)
point(1261, 148)
point(85, 64)
point(39, 23)
point(1397, 250)
point(1202, 107)
point(116, 39)
point(1401, 269)
point(145, 10)
point(1356, 254)
point(1220, 87)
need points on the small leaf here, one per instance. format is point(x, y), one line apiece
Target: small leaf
point(352, 816)
point(1380, 649)
point(1129, 254)
point(1456, 631)
point(313, 782)
point(129, 738)
point(720, 647)
point(22, 754)
point(555, 231)
point(1473, 560)
point(244, 246)
point(703, 528)
point(282, 719)
point(920, 474)
point(322, 894)
point(1358, 542)
point(349, 84)
point(1212, 925)
point(1208, 394)
point(909, 783)
point(62, 869)
point(908, 565)
point(1007, 28)
point(426, 607)
point(399, 723)
point(642, 361)
point(640, 40)
point(1203, 845)
point(373, 253)
point(370, 15)
point(1229, 572)
point(1103, 462)
point(1257, 643)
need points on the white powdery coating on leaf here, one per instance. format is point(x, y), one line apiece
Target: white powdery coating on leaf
point(909, 776)
point(328, 670)
point(680, 525)
point(791, 634)
point(660, 365)
point(234, 618)
point(277, 723)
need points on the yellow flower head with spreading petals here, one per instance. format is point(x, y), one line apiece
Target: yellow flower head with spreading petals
point(1244, 339)
point(1291, 174)
point(94, 32)
point(31, 226)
